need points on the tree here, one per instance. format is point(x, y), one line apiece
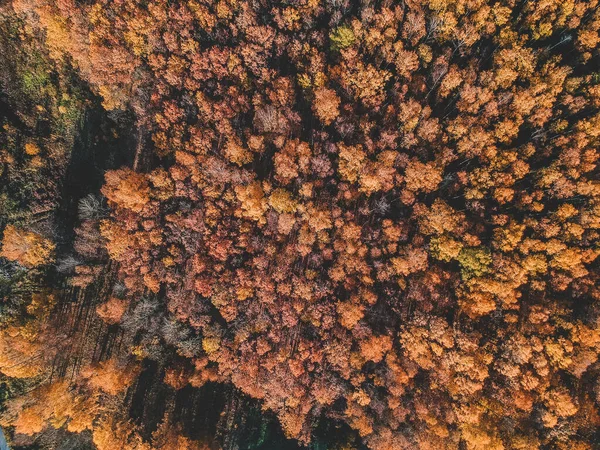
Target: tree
point(26, 247)
point(127, 189)
point(326, 105)
point(112, 310)
point(110, 377)
point(383, 214)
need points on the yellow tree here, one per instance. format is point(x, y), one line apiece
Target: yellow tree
point(26, 247)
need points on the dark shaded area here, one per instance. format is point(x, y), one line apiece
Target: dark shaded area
point(221, 415)
point(101, 144)
point(215, 413)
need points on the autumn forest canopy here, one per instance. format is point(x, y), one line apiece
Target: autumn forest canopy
point(307, 224)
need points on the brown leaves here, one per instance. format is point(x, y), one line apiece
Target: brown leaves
point(112, 310)
point(326, 105)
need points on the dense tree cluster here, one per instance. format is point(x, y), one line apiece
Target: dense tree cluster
point(382, 212)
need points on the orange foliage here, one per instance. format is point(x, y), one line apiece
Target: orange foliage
point(112, 310)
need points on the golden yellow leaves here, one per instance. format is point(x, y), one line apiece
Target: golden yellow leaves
point(26, 247)
point(136, 38)
point(211, 344)
point(282, 202)
point(32, 149)
point(236, 153)
point(445, 248)
point(341, 38)
point(206, 19)
point(350, 162)
point(570, 260)
point(507, 238)
point(253, 201)
point(535, 264)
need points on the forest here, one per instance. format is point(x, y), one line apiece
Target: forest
point(300, 224)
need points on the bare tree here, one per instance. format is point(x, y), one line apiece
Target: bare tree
point(90, 207)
